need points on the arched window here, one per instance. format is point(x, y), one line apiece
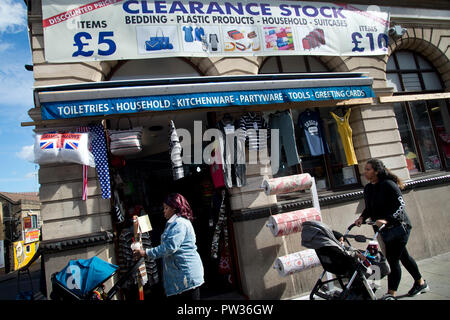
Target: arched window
point(154, 68)
point(292, 64)
point(330, 169)
point(424, 125)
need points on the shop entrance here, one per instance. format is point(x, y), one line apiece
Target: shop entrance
point(142, 182)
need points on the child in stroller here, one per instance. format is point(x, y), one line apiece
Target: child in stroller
point(349, 265)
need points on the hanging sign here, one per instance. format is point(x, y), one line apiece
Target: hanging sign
point(100, 107)
point(88, 30)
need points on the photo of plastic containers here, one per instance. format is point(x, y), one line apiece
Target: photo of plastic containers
point(278, 38)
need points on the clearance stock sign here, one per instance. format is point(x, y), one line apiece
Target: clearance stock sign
point(89, 30)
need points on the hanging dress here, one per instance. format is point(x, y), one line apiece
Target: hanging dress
point(346, 137)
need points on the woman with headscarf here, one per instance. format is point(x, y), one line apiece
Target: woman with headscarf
point(385, 205)
point(182, 266)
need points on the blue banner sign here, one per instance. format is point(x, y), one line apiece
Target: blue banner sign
point(101, 107)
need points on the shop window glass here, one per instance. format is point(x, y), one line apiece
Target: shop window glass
point(406, 60)
point(316, 65)
point(293, 64)
point(407, 138)
point(440, 113)
point(393, 80)
point(431, 81)
point(391, 65)
point(425, 135)
point(154, 68)
point(411, 82)
point(423, 64)
point(270, 66)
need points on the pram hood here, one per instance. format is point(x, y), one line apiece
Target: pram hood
point(83, 275)
point(316, 235)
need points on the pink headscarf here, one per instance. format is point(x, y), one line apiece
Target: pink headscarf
point(180, 204)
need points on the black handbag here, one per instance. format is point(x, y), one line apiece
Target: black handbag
point(395, 233)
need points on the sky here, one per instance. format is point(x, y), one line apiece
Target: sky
point(17, 171)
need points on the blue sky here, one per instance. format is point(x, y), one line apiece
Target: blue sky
point(17, 172)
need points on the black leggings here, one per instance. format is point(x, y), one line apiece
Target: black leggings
point(395, 252)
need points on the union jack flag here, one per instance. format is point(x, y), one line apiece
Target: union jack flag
point(49, 141)
point(70, 141)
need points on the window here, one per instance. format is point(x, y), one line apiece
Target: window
point(154, 68)
point(424, 125)
point(330, 170)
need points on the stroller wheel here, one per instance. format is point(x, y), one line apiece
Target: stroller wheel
point(388, 297)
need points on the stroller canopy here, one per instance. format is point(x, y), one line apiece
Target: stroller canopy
point(316, 235)
point(83, 275)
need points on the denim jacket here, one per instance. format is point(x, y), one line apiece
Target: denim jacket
point(182, 266)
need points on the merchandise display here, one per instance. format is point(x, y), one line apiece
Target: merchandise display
point(287, 184)
point(311, 123)
point(345, 132)
point(175, 152)
point(282, 121)
point(291, 222)
point(296, 262)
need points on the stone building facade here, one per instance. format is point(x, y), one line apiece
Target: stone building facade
point(69, 222)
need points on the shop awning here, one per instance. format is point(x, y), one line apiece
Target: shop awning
point(178, 94)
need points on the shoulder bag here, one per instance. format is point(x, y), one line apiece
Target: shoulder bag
point(125, 142)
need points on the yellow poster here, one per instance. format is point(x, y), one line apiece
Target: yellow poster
point(23, 253)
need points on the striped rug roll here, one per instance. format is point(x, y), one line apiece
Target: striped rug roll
point(287, 184)
point(296, 262)
point(291, 222)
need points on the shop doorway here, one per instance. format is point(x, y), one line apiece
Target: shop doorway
point(143, 182)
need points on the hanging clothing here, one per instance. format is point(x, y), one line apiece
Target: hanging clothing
point(251, 124)
point(345, 132)
point(232, 152)
point(282, 121)
point(98, 145)
point(221, 223)
point(312, 126)
point(175, 152)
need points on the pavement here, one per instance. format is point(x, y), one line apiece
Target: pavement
point(435, 270)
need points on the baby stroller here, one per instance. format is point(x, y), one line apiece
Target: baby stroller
point(84, 279)
point(352, 268)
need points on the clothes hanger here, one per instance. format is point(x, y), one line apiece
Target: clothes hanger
point(343, 110)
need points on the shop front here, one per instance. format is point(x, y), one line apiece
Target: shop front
point(319, 112)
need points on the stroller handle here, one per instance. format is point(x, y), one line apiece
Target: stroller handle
point(350, 227)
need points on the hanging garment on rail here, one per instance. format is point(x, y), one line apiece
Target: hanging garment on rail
point(251, 124)
point(345, 132)
point(175, 152)
point(98, 146)
point(311, 124)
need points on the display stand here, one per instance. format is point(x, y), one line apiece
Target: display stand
point(316, 205)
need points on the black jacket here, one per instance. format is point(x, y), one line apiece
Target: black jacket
point(384, 200)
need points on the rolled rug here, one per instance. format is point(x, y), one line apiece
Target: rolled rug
point(296, 262)
point(287, 184)
point(291, 222)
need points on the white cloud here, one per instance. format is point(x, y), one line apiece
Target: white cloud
point(13, 16)
point(27, 153)
point(31, 175)
point(5, 46)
